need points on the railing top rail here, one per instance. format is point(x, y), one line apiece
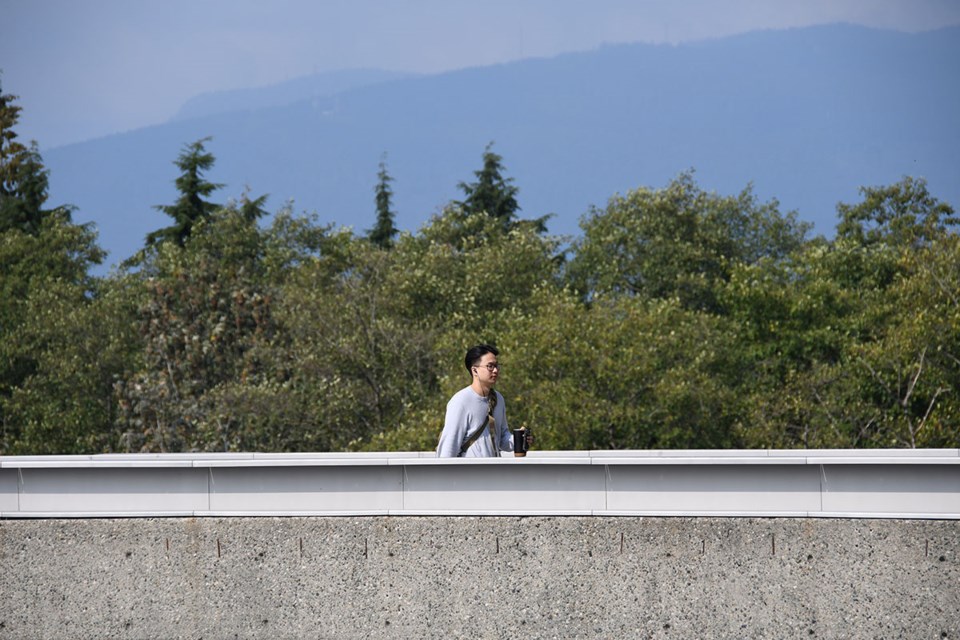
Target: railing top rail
point(889, 483)
point(618, 457)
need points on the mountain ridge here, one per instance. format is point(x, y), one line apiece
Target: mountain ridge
point(312, 87)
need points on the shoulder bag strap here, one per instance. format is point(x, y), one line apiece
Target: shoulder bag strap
point(491, 422)
point(490, 425)
point(469, 441)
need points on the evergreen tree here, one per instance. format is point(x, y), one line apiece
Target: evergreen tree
point(190, 208)
point(252, 210)
point(23, 178)
point(491, 193)
point(44, 284)
point(384, 231)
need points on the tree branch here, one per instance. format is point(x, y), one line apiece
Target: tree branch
point(913, 383)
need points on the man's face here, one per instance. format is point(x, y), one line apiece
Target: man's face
point(488, 370)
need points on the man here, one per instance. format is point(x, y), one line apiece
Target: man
point(476, 421)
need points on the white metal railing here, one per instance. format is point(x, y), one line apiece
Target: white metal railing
point(897, 483)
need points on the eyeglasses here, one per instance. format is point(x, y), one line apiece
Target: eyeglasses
point(493, 366)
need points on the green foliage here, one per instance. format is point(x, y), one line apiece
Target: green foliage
point(45, 301)
point(464, 270)
point(904, 213)
point(491, 194)
point(678, 242)
point(80, 348)
point(384, 231)
point(684, 319)
point(206, 314)
point(60, 251)
point(54, 372)
point(625, 373)
point(363, 361)
point(191, 207)
point(24, 192)
point(23, 178)
point(291, 242)
point(911, 370)
point(853, 343)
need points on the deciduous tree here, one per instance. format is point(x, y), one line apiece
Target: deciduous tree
point(677, 242)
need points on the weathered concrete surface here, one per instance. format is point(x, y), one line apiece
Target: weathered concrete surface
point(496, 577)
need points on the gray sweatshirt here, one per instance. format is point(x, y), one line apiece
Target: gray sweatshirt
point(467, 412)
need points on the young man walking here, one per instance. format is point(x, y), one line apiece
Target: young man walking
point(476, 422)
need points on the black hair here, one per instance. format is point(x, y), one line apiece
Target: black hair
point(474, 354)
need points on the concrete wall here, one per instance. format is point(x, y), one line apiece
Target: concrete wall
point(479, 577)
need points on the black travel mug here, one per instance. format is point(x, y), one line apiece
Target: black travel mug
point(520, 442)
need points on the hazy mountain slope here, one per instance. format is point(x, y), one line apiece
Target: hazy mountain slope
point(318, 88)
point(807, 115)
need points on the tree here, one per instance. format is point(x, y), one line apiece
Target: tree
point(362, 362)
point(794, 322)
point(384, 231)
point(463, 272)
point(491, 194)
point(252, 210)
point(190, 208)
point(904, 213)
point(44, 282)
point(916, 365)
point(678, 242)
point(78, 346)
point(828, 364)
point(909, 364)
point(618, 373)
point(852, 343)
point(204, 317)
point(23, 178)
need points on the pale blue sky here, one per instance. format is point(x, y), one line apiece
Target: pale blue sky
point(86, 68)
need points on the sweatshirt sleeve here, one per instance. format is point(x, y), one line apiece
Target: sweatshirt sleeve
point(454, 431)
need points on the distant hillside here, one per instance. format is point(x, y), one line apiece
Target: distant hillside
point(318, 88)
point(807, 115)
